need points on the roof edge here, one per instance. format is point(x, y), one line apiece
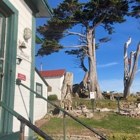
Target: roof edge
point(48, 6)
point(41, 77)
point(64, 71)
point(33, 5)
point(39, 40)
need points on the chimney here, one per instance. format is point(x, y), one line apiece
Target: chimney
point(41, 67)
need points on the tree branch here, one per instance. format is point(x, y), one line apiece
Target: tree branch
point(126, 46)
point(131, 61)
point(86, 53)
point(135, 65)
point(77, 46)
point(138, 71)
point(82, 41)
point(126, 73)
point(74, 33)
point(99, 22)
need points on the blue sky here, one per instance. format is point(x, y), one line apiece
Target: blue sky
point(110, 65)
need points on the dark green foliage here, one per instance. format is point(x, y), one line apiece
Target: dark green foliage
point(49, 47)
point(52, 97)
point(90, 15)
point(60, 22)
point(135, 8)
point(102, 11)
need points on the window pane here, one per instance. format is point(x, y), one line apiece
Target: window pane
point(39, 88)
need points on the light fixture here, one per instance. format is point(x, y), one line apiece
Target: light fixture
point(27, 33)
point(18, 61)
point(22, 45)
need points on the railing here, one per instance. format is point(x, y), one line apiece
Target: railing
point(18, 82)
point(24, 122)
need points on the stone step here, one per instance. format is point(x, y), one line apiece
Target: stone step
point(15, 136)
point(30, 138)
point(12, 136)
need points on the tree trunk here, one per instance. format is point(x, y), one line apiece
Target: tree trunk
point(94, 86)
point(82, 88)
point(126, 91)
point(129, 72)
point(83, 84)
point(67, 85)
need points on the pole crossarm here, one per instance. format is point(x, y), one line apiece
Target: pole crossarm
point(18, 82)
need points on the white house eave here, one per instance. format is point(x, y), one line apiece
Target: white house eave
point(41, 8)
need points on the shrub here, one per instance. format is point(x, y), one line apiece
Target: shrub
point(52, 97)
point(123, 136)
point(40, 138)
point(131, 99)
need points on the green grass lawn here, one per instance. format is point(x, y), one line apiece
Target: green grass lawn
point(105, 123)
point(114, 126)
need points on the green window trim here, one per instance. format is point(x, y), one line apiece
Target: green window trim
point(6, 121)
point(2, 40)
point(39, 89)
point(32, 77)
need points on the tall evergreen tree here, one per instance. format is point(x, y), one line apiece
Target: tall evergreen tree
point(89, 15)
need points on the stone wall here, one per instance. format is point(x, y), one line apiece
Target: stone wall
point(130, 109)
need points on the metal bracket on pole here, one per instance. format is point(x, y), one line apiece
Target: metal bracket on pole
point(18, 81)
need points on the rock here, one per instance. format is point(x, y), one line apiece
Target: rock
point(104, 109)
point(132, 106)
point(78, 111)
point(83, 106)
point(84, 110)
point(135, 111)
point(138, 105)
point(89, 115)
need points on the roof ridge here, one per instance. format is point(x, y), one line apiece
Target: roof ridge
point(54, 70)
point(53, 73)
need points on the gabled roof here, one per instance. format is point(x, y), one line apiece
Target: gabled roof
point(49, 87)
point(53, 73)
point(41, 76)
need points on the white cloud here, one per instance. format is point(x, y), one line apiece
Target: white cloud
point(116, 85)
point(107, 65)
